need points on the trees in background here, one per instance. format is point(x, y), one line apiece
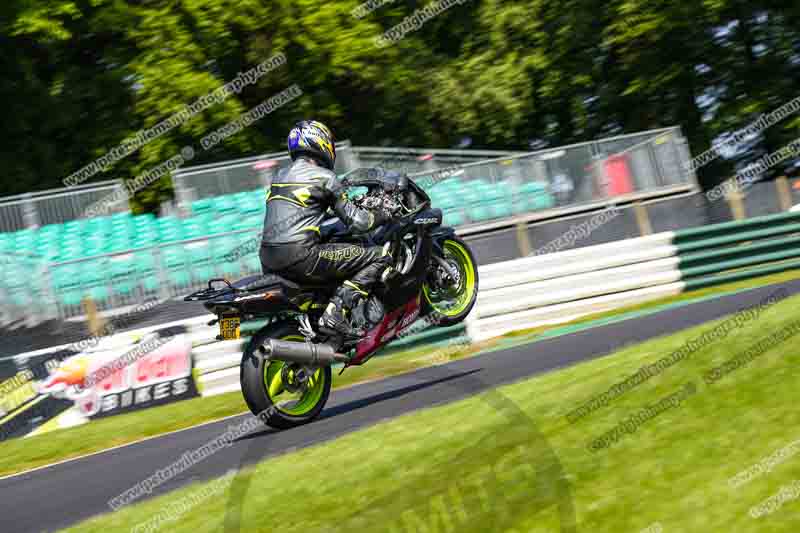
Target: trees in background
point(80, 76)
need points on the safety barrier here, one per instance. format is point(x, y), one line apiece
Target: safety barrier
point(56, 206)
point(555, 288)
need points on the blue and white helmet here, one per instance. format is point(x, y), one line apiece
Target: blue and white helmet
point(315, 139)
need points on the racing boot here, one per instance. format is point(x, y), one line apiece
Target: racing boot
point(334, 320)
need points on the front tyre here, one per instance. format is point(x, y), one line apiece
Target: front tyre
point(449, 294)
point(282, 394)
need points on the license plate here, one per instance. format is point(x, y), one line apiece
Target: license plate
point(229, 328)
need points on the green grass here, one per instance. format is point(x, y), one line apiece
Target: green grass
point(21, 454)
point(17, 455)
point(479, 464)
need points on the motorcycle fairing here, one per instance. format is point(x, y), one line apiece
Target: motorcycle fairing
point(394, 322)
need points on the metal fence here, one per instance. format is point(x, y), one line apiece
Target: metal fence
point(569, 175)
point(230, 177)
point(194, 183)
point(219, 179)
point(414, 160)
point(23, 278)
point(55, 206)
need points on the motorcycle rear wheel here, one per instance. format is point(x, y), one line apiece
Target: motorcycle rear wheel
point(264, 391)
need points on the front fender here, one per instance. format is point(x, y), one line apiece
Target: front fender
point(440, 234)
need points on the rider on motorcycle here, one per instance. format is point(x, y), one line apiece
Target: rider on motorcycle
point(305, 194)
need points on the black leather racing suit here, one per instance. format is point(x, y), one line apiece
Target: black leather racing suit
point(291, 247)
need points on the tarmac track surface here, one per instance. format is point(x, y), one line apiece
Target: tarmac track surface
point(61, 495)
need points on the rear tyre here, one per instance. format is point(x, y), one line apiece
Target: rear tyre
point(449, 300)
point(278, 404)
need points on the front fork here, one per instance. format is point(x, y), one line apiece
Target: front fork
point(438, 236)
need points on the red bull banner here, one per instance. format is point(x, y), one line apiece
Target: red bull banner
point(81, 387)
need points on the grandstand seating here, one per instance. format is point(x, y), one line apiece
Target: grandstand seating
point(118, 278)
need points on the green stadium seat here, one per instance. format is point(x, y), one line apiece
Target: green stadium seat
point(145, 239)
point(197, 253)
point(99, 293)
point(179, 278)
point(176, 262)
point(230, 269)
point(194, 228)
point(170, 229)
point(240, 197)
point(252, 208)
point(251, 222)
point(224, 204)
point(470, 197)
point(51, 231)
point(144, 218)
point(500, 209)
point(204, 205)
point(223, 224)
point(447, 201)
point(543, 201)
point(51, 254)
point(118, 218)
point(479, 213)
point(448, 182)
point(173, 257)
point(97, 223)
point(74, 226)
point(121, 225)
point(145, 265)
point(499, 192)
point(201, 273)
point(70, 253)
point(145, 224)
point(252, 263)
point(222, 246)
point(167, 220)
point(67, 285)
point(453, 217)
point(122, 270)
point(144, 262)
point(25, 239)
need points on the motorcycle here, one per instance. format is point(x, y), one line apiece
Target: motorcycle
point(285, 371)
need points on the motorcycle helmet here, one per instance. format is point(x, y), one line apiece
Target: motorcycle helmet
point(313, 139)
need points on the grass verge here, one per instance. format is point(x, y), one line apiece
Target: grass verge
point(492, 462)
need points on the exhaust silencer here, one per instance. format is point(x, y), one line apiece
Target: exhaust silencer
point(304, 353)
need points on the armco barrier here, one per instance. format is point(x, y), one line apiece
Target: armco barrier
point(555, 288)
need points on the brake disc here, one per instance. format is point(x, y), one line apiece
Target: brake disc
point(294, 378)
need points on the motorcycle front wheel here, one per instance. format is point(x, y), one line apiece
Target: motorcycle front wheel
point(450, 293)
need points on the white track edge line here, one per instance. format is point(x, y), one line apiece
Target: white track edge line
point(63, 461)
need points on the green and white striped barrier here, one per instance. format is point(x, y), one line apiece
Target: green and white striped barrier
point(559, 287)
